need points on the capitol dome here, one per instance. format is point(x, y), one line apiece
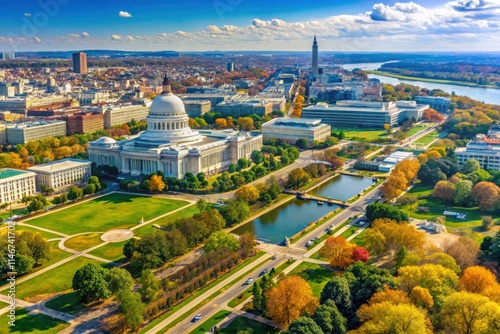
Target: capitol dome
point(104, 142)
point(168, 121)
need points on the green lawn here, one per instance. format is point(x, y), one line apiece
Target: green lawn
point(414, 130)
point(242, 323)
point(53, 281)
point(350, 231)
point(436, 208)
point(187, 212)
point(112, 251)
point(67, 303)
point(211, 322)
point(360, 238)
point(46, 235)
point(83, 242)
point(105, 213)
point(314, 274)
point(33, 324)
point(428, 138)
point(360, 134)
point(6, 213)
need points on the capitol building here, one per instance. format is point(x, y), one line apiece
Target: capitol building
point(171, 146)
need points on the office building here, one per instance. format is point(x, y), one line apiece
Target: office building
point(3, 134)
point(7, 89)
point(171, 146)
point(230, 67)
point(393, 160)
point(291, 129)
point(483, 148)
point(61, 174)
point(80, 62)
point(84, 123)
point(24, 132)
point(239, 108)
point(8, 56)
point(118, 115)
point(365, 114)
point(196, 108)
point(14, 184)
point(438, 103)
point(315, 57)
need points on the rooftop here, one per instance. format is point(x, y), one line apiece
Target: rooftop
point(294, 123)
point(59, 165)
point(5, 173)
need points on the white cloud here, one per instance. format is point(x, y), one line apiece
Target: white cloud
point(116, 37)
point(130, 38)
point(85, 34)
point(37, 39)
point(124, 14)
point(27, 14)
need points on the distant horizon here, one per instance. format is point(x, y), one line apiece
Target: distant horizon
point(198, 25)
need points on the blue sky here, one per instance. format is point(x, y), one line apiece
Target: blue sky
point(358, 25)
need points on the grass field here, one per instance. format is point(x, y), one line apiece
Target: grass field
point(105, 213)
point(211, 322)
point(360, 238)
point(186, 212)
point(242, 323)
point(360, 134)
point(112, 251)
point(428, 138)
point(67, 303)
point(83, 242)
point(54, 281)
point(46, 235)
point(350, 231)
point(314, 274)
point(33, 324)
point(436, 209)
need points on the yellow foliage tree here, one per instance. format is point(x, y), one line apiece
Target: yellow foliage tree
point(290, 299)
point(245, 123)
point(221, 123)
point(465, 312)
point(477, 279)
point(156, 183)
point(338, 251)
point(421, 297)
point(247, 193)
point(390, 295)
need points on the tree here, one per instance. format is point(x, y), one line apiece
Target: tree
point(290, 299)
point(387, 128)
point(406, 199)
point(304, 325)
point(338, 251)
point(247, 193)
point(360, 254)
point(131, 307)
point(444, 190)
point(382, 210)
point(89, 283)
point(256, 157)
point(234, 212)
point(221, 123)
point(258, 298)
point(465, 312)
point(119, 279)
point(90, 189)
point(477, 279)
point(36, 246)
point(129, 248)
point(394, 186)
point(463, 250)
point(328, 317)
point(421, 297)
point(486, 195)
point(245, 123)
point(487, 222)
point(24, 263)
point(461, 195)
point(75, 193)
point(302, 143)
point(442, 259)
point(337, 290)
point(470, 166)
point(156, 183)
point(247, 243)
point(176, 242)
point(297, 178)
point(221, 239)
point(387, 317)
point(150, 288)
point(432, 115)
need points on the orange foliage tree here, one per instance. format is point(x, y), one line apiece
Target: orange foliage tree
point(486, 195)
point(477, 279)
point(290, 299)
point(432, 115)
point(338, 251)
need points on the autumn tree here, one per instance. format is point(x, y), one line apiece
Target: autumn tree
point(444, 190)
point(421, 297)
point(245, 123)
point(247, 193)
point(463, 250)
point(297, 178)
point(156, 183)
point(221, 123)
point(338, 251)
point(477, 279)
point(486, 195)
point(465, 312)
point(432, 115)
point(290, 299)
point(360, 253)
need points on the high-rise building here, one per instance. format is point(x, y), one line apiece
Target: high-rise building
point(315, 57)
point(8, 56)
point(230, 67)
point(80, 62)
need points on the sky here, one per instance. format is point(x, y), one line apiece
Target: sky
point(231, 25)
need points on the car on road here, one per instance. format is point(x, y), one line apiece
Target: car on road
point(263, 272)
point(309, 243)
point(250, 280)
point(316, 238)
point(197, 317)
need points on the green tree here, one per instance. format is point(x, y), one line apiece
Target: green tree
point(176, 242)
point(129, 248)
point(222, 239)
point(90, 189)
point(328, 317)
point(234, 212)
point(150, 288)
point(119, 279)
point(304, 325)
point(258, 298)
point(337, 290)
point(297, 178)
point(89, 283)
point(487, 222)
point(24, 263)
point(470, 166)
point(75, 193)
point(256, 157)
point(401, 256)
point(301, 143)
point(131, 307)
point(38, 247)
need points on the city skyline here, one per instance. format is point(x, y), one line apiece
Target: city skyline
point(239, 25)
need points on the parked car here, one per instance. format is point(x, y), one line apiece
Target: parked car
point(263, 272)
point(250, 280)
point(198, 317)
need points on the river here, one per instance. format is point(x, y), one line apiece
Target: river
point(486, 95)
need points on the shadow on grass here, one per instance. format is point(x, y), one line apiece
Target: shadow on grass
point(26, 323)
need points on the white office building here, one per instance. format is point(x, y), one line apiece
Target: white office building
point(14, 184)
point(291, 129)
point(62, 173)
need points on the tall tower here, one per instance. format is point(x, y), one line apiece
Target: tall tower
point(80, 62)
point(315, 57)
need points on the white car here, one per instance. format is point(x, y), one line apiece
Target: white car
point(250, 280)
point(309, 243)
point(198, 317)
